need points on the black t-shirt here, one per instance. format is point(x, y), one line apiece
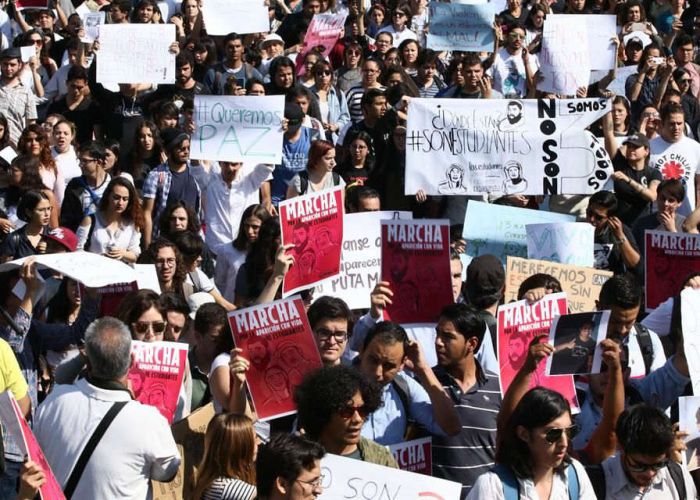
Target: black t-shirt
point(85, 116)
point(352, 175)
point(631, 205)
point(607, 253)
point(183, 187)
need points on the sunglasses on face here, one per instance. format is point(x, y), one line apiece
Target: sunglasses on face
point(324, 72)
point(638, 468)
point(554, 435)
point(516, 36)
point(142, 327)
point(348, 411)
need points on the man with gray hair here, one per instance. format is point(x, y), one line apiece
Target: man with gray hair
point(100, 443)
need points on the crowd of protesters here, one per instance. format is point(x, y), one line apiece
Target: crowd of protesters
point(85, 166)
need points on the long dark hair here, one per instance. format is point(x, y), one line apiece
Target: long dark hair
point(257, 211)
point(192, 219)
point(5, 139)
point(133, 209)
point(261, 255)
point(149, 257)
point(135, 161)
point(538, 407)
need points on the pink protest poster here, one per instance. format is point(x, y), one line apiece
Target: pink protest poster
point(416, 263)
point(518, 324)
point(414, 456)
point(112, 296)
point(156, 374)
point(314, 225)
point(277, 340)
point(323, 33)
point(669, 259)
point(16, 425)
point(31, 4)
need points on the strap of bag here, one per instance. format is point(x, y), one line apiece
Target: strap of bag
point(511, 488)
point(90, 447)
point(572, 482)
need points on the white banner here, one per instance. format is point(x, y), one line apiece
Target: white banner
point(350, 479)
point(360, 260)
point(499, 147)
point(565, 63)
point(690, 319)
point(564, 242)
point(238, 128)
point(136, 53)
point(222, 17)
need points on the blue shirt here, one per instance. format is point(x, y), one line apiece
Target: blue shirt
point(295, 156)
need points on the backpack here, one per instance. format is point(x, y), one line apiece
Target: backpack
point(304, 180)
point(596, 474)
point(511, 488)
point(645, 345)
point(219, 75)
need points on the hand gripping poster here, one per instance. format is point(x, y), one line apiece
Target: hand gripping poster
point(669, 259)
point(416, 263)
point(156, 374)
point(505, 147)
point(518, 324)
point(277, 341)
point(314, 225)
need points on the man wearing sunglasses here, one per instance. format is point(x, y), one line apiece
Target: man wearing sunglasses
point(513, 68)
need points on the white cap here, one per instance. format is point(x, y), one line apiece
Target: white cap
point(196, 300)
point(273, 37)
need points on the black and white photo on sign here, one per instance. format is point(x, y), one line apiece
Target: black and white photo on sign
point(575, 338)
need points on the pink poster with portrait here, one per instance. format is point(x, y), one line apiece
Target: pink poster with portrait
point(156, 374)
point(276, 339)
point(416, 263)
point(323, 32)
point(314, 225)
point(518, 324)
point(669, 259)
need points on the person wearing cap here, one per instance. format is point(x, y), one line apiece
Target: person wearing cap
point(634, 46)
point(635, 179)
point(273, 47)
point(232, 65)
point(17, 103)
point(172, 181)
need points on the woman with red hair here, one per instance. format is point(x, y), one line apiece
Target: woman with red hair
point(319, 173)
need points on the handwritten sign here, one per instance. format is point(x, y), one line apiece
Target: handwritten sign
point(92, 22)
point(566, 242)
point(242, 16)
point(324, 31)
point(602, 28)
point(414, 456)
point(354, 479)
point(238, 128)
point(565, 63)
point(360, 260)
point(277, 340)
point(581, 284)
point(136, 53)
point(669, 259)
point(501, 230)
point(505, 147)
point(416, 263)
point(690, 322)
point(461, 27)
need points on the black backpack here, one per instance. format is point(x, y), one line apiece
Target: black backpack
point(645, 345)
point(304, 180)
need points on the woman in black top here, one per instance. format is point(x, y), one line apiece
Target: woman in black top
point(35, 209)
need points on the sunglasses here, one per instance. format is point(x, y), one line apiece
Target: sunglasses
point(142, 327)
point(684, 81)
point(399, 14)
point(348, 411)
point(324, 72)
point(516, 36)
point(554, 435)
point(640, 468)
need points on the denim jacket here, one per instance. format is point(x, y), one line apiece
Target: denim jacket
point(337, 108)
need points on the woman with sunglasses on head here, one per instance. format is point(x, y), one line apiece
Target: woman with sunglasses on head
point(532, 455)
point(332, 101)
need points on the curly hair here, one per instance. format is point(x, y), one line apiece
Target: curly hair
point(326, 391)
point(164, 221)
point(45, 156)
point(136, 303)
point(151, 253)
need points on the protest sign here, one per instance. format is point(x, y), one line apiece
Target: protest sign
point(565, 63)
point(313, 223)
point(505, 147)
point(669, 258)
point(323, 32)
point(414, 456)
point(360, 258)
point(26, 53)
point(90, 269)
point(575, 338)
point(461, 27)
point(564, 242)
point(581, 284)
point(354, 479)
point(689, 422)
point(113, 295)
point(189, 436)
point(238, 128)
point(602, 28)
point(31, 4)
point(156, 374)
point(690, 322)
point(16, 426)
point(416, 263)
point(518, 324)
point(136, 53)
point(91, 23)
point(501, 230)
point(617, 86)
point(222, 17)
point(277, 340)
point(8, 154)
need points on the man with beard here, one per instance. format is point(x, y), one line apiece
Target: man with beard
point(16, 101)
point(259, 352)
point(514, 117)
point(513, 68)
point(476, 85)
point(185, 87)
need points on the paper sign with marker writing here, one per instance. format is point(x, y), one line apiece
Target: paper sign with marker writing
point(602, 28)
point(414, 456)
point(324, 31)
point(15, 425)
point(136, 53)
point(222, 17)
point(357, 480)
point(565, 63)
point(461, 27)
point(690, 319)
point(669, 259)
point(238, 128)
point(360, 261)
point(277, 340)
point(501, 230)
point(581, 284)
point(566, 242)
point(505, 147)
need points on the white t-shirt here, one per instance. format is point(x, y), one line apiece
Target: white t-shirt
point(508, 72)
point(678, 160)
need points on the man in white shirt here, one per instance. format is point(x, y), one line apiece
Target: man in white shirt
point(136, 447)
point(513, 69)
point(677, 156)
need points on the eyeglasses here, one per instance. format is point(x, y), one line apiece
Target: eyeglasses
point(639, 468)
point(324, 72)
point(37, 41)
point(325, 335)
point(166, 262)
point(142, 327)
point(554, 435)
point(176, 328)
point(516, 36)
point(314, 483)
point(85, 161)
point(591, 214)
point(353, 53)
point(348, 411)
